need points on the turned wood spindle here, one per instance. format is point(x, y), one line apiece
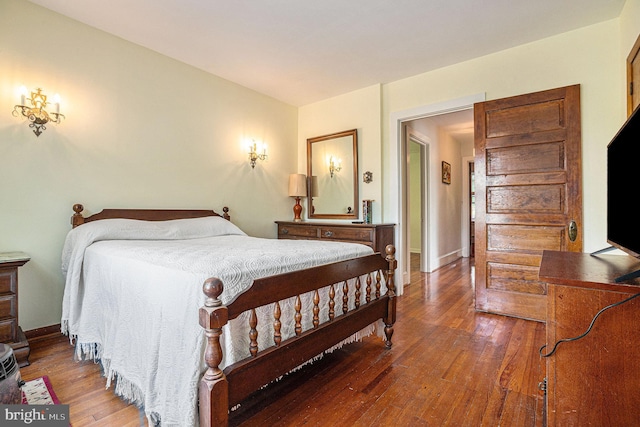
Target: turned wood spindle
point(277, 324)
point(345, 297)
point(298, 316)
point(316, 309)
point(253, 333)
point(332, 303)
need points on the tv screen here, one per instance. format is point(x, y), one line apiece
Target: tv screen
point(623, 174)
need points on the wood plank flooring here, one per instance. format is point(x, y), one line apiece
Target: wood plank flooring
point(449, 366)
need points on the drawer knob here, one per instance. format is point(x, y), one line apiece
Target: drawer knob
point(285, 231)
point(328, 233)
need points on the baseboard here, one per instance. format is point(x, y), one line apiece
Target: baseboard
point(37, 333)
point(449, 258)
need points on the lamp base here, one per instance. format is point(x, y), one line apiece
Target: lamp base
point(297, 210)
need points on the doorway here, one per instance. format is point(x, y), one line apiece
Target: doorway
point(416, 180)
point(437, 218)
point(395, 200)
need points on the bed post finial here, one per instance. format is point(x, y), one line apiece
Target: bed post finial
point(214, 388)
point(226, 213)
point(390, 319)
point(77, 218)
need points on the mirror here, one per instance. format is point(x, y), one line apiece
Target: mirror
point(332, 171)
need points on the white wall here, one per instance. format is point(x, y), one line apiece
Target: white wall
point(588, 56)
point(355, 110)
point(629, 28)
point(448, 198)
point(141, 130)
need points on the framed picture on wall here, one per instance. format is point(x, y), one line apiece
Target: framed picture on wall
point(446, 173)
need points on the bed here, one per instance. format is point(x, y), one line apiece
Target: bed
point(188, 315)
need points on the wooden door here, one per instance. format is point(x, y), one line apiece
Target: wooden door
point(528, 195)
point(633, 78)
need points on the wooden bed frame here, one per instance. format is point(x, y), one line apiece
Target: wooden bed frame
point(221, 390)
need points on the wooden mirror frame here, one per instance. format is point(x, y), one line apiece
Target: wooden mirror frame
point(353, 133)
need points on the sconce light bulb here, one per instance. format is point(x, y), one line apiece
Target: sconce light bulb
point(23, 94)
point(56, 102)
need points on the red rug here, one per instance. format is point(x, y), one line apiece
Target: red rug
point(39, 392)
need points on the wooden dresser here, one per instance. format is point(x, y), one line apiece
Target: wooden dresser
point(593, 381)
point(10, 331)
point(377, 236)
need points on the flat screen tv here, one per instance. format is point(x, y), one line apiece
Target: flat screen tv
point(623, 170)
point(623, 174)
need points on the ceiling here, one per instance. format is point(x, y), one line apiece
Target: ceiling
point(304, 51)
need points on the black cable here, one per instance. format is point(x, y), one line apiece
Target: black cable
point(555, 347)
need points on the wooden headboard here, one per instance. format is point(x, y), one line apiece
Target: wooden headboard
point(143, 214)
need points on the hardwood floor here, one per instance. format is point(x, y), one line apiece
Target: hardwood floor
point(449, 365)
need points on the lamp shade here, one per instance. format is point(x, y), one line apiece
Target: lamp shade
point(297, 185)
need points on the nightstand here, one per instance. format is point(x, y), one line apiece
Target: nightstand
point(10, 331)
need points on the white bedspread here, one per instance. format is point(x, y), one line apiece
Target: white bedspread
point(132, 294)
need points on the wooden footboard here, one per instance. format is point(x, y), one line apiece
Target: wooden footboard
point(220, 390)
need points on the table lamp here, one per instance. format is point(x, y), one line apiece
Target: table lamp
point(297, 189)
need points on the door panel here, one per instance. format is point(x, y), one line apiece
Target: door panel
point(528, 190)
point(517, 120)
point(526, 199)
point(521, 279)
point(523, 238)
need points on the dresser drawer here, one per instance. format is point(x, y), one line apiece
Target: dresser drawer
point(8, 329)
point(7, 306)
point(377, 236)
point(297, 231)
point(346, 233)
point(7, 282)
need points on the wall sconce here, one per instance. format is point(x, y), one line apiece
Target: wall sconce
point(254, 155)
point(297, 189)
point(335, 165)
point(36, 110)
